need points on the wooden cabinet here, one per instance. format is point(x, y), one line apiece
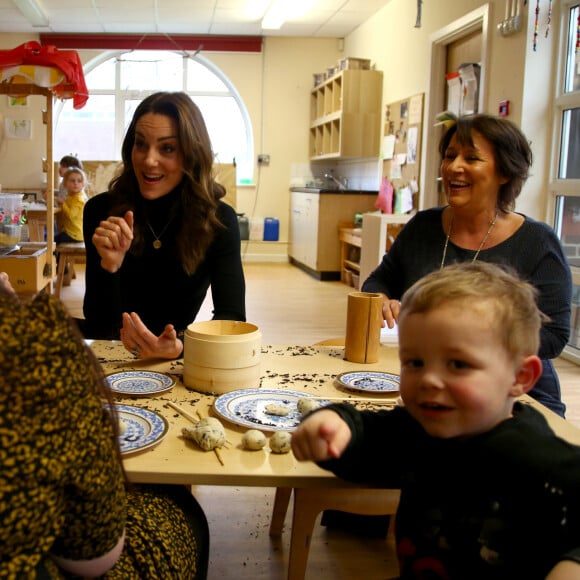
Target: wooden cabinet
point(314, 222)
point(346, 115)
point(28, 267)
point(350, 249)
point(362, 249)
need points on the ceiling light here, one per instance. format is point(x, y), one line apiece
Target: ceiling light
point(275, 15)
point(32, 11)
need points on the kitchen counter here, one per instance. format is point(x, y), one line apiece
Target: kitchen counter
point(315, 216)
point(334, 191)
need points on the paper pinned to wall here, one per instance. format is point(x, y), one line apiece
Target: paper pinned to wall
point(404, 201)
point(396, 171)
point(412, 135)
point(415, 109)
point(454, 96)
point(401, 158)
point(388, 146)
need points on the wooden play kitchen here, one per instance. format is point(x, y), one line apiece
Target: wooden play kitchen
point(32, 69)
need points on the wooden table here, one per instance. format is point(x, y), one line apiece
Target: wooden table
point(174, 460)
point(36, 219)
point(177, 461)
point(299, 368)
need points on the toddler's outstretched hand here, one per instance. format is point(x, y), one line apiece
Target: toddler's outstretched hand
point(322, 435)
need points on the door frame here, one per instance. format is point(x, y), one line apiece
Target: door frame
point(476, 20)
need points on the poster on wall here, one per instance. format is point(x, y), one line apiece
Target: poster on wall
point(18, 128)
point(17, 102)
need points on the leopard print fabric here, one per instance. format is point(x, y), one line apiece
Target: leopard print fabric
point(62, 489)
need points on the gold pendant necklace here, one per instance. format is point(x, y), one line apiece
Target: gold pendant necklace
point(491, 225)
point(157, 242)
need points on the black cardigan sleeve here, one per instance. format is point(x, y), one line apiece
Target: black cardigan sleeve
point(102, 302)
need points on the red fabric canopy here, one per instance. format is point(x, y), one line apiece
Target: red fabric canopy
point(67, 61)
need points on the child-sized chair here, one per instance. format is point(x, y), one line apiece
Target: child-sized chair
point(309, 502)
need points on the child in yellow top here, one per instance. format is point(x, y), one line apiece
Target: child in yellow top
point(74, 181)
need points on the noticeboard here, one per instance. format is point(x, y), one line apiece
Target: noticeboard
point(402, 150)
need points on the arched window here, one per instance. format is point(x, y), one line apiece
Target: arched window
point(118, 81)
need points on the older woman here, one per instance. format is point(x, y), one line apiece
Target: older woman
point(485, 162)
point(161, 236)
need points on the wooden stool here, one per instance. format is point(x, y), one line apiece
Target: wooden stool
point(67, 253)
point(309, 502)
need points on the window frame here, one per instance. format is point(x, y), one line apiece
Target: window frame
point(561, 187)
point(562, 101)
point(245, 165)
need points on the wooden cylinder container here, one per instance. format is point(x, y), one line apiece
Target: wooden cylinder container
point(222, 356)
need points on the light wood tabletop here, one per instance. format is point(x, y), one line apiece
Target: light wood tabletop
point(307, 369)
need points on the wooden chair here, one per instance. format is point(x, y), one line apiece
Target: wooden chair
point(68, 253)
point(309, 502)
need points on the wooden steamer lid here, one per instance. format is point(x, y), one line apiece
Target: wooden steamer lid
point(222, 356)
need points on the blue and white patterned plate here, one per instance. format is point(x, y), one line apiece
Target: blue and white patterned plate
point(247, 407)
point(141, 428)
point(369, 381)
point(140, 383)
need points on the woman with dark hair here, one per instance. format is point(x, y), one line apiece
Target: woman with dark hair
point(485, 162)
point(160, 237)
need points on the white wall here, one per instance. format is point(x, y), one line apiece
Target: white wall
point(516, 71)
point(275, 86)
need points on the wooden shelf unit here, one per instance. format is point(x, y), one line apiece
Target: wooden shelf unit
point(345, 115)
point(350, 239)
point(367, 244)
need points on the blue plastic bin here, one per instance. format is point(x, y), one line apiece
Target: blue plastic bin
point(271, 229)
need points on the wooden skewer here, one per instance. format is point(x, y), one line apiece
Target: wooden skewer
point(183, 412)
point(218, 455)
point(215, 449)
point(357, 400)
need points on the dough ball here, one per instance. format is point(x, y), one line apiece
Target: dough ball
point(280, 442)
point(208, 437)
point(276, 409)
point(253, 439)
point(306, 405)
point(122, 427)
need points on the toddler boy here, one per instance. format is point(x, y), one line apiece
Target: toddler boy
point(487, 489)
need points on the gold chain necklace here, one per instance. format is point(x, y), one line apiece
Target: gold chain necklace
point(157, 242)
point(491, 225)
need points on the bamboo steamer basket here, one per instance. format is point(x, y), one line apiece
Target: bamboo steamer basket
point(221, 356)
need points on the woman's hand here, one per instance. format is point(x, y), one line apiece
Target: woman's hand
point(142, 343)
point(112, 239)
point(390, 311)
point(321, 436)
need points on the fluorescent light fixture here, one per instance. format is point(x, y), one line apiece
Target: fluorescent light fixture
point(275, 15)
point(32, 11)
